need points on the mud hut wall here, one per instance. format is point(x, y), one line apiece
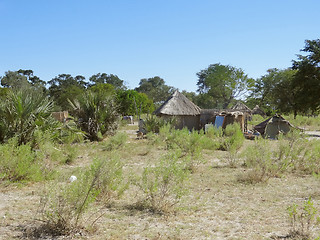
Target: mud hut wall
point(241, 120)
point(230, 119)
point(207, 118)
point(191, 122)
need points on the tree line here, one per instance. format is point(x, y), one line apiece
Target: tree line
point(291, 90)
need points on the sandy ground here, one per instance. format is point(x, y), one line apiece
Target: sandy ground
point(217, 206)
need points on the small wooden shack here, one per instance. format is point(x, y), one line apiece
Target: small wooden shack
point(208, 116)
point(180, 107)
point(60, 116)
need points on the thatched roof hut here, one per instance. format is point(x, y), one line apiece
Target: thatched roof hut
point(258, 110)
point(240, 106)
point(179, 106)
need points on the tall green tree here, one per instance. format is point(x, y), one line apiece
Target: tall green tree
point(64, 87)
point(132, 102)
point(14, 80)
point(34, 80)
point(307, 80)
point(275, 91)
point(109, 79)
point(103, 88)
point(220, 84)
point(156, 89)
point(22, 79)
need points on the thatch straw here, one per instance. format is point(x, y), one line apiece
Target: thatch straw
point(178, 105)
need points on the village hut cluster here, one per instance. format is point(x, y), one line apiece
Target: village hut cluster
point(192, 117)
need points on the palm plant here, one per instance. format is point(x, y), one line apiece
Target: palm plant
point(97, 114)
point(22, 113)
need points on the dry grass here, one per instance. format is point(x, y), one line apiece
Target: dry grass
point(218, 206)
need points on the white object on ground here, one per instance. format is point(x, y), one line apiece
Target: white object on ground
point(72, 178)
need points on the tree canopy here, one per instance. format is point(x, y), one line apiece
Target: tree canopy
point(275, 91)
point(307, 80)
point(107, 78)
point(291, 90)
point(220, 84)
point(64, 87)
point(155, 88)
point(132, 102)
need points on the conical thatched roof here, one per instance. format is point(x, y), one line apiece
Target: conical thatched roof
point(178, 105)
point(258, 110)
point(241, 107)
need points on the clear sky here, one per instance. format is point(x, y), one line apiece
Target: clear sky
point(136, 39)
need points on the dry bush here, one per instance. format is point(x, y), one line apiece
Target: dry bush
point(163, 185)
point(64, 204)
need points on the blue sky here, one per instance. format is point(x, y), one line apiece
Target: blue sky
point(172, 39)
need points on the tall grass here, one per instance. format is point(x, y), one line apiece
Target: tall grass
point(305, 122)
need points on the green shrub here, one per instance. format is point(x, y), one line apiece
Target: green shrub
point(309, 122)
point(164, 184)
point(212, 138)
point(64, 203)
point(67, 132)
point(306, 157)
point(233, 141)
point(291, 153)
point(110, 183)
point(154, 123)
point(49, 150)
point(256, 119)
point(96, 114)
point(115, 142)
point(259, 160)
point(189, 144)
point(22, 113)
point(303, 219)
point(19, 163)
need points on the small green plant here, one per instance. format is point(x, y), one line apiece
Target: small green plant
point(233, 142)
point(212, 138)
point(50, 151)
point(164, 184)
point(189, 144)
point(116, 142)
point(110, 183)
point(70, 153)
point(303, 219)
point(64, 203)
